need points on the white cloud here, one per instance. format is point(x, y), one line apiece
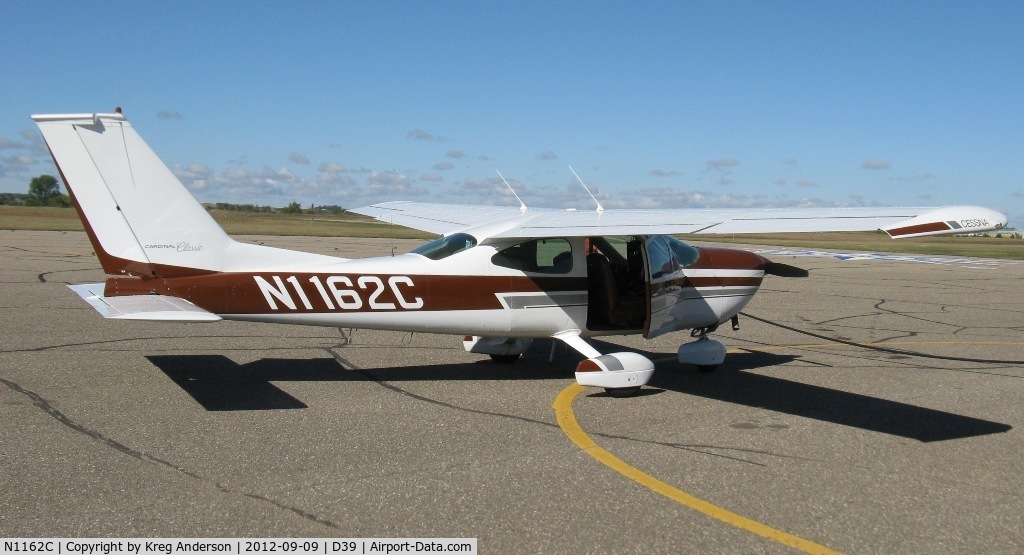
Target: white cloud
point(18, 161)
point(431, 177)
point(332, 168)
point(422, 135)
point(917, 177)
point(456, 154)
point(668, 197)
point(163, 114)
point(35, 144)
point(192, 172)
point(25, 156)
point(298, 158)
point(724, 168)
point(9, 144)
point(392, 184)
point(876, 165)
point(722, 164)
point(16, 165)
point(547, 155)
point(664, 173)
point(492, 191)
point(443, 166)
point(330, 184)
point(237, 185)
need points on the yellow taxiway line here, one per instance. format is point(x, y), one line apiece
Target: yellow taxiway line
point(567, 422)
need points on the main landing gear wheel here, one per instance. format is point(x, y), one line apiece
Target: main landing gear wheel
point(622, 392)
point(505, 359)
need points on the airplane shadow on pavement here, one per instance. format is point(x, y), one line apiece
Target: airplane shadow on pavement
point(220, 384)
point(732, 383)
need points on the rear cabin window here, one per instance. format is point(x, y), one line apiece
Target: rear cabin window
point(543, 256)
point(446, 246)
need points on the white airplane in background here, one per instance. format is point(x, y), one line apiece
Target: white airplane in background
point(498, 276)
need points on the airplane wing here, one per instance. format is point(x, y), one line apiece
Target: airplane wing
point(442, 219)
point(160, 308)
point(898, 222)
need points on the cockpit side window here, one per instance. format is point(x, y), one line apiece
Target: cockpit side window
point(444, 247)
point(544, 256)
point(666, 255)
point(684, 254)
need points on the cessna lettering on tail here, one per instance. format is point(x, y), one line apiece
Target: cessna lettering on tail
point(340, 292)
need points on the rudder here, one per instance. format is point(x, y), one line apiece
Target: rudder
point(141, 220)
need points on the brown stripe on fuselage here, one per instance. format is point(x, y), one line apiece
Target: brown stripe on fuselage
point(716, 258)
point(728, 259)
point(701, 282)
point(922, 228)
point(238, 293)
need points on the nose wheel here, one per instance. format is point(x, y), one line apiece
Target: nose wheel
point(622, 392)
point(706, 354)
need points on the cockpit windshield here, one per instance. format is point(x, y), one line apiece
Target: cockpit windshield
point(444, 247)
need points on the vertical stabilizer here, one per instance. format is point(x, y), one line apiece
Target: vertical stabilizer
point(140, 218)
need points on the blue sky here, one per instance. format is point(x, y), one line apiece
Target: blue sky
point(654, 104)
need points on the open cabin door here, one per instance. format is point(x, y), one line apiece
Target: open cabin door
point(616, 287)
point(667, 286)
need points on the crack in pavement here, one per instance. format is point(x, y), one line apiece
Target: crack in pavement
point(890, 350)
point(39, 402)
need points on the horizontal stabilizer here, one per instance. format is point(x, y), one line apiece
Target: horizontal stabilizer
point(158, 308)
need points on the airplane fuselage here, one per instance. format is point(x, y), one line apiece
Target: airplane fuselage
point(466, 293)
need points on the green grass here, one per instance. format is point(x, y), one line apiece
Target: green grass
point(39, 218)
point(354, 225)
point(235, 223)
point(343, 225)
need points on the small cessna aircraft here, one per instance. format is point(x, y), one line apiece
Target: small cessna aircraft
point(499, 276)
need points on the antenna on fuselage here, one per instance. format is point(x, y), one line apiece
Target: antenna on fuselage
point(522, 205)
point(599, 207)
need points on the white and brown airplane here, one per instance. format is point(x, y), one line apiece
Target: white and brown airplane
point(498, 276)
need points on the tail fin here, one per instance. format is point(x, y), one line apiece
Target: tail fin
point(140, 218)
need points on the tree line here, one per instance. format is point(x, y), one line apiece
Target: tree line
point(44, 190)
point(291, 208)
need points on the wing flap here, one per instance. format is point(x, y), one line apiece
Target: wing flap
point(158, 308)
